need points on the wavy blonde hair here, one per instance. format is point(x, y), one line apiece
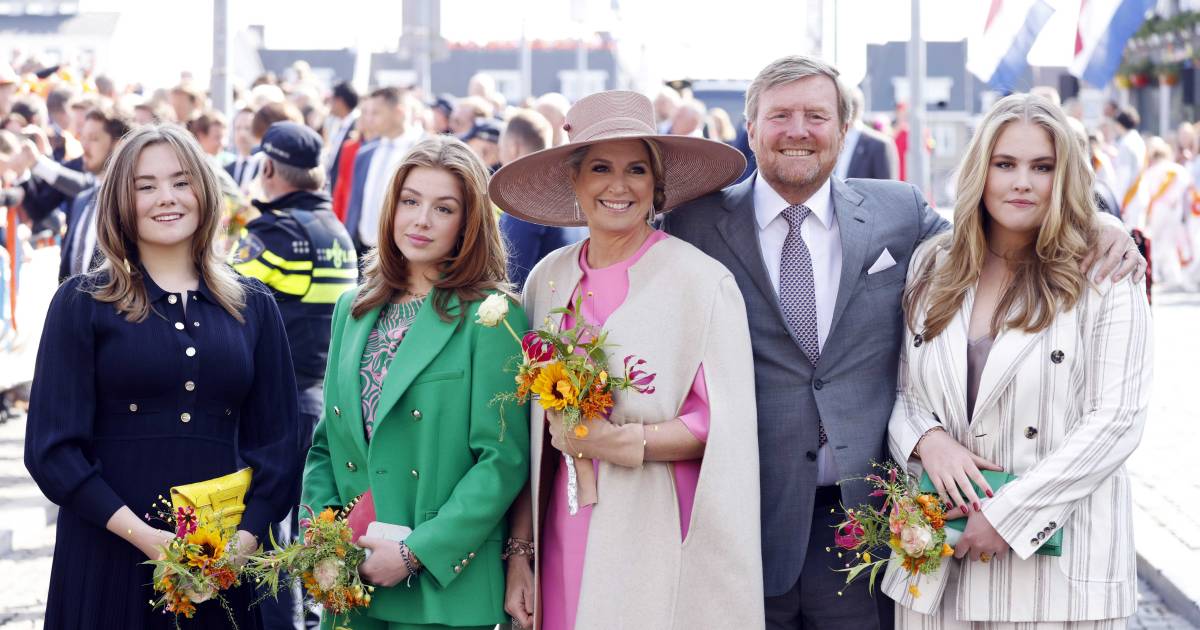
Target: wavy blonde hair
point(119, 279)
point(475, 265)
point(1047, 279)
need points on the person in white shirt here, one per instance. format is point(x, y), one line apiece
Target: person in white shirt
point(1131, 153)
point(390, 115)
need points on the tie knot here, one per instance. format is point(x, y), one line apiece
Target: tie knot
point(796, 214)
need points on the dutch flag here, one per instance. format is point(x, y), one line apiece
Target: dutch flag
point(1104, 27)
point(997, 55)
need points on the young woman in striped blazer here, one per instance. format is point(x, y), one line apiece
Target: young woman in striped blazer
point(1016, 360)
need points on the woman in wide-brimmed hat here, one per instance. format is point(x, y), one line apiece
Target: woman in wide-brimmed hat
point(665, 532)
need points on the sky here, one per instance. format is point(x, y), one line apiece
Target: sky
point(158, 38)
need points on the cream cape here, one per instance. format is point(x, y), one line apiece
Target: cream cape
point(683, 310)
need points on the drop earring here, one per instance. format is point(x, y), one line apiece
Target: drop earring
point(578, 213)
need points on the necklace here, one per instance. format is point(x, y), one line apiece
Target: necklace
point(413, 294)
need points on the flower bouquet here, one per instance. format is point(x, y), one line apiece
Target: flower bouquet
point(325, 562)
point(910, 527)
point(196, 564)
point(568, 372)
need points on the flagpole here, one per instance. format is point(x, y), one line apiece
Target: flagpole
point(918, 167)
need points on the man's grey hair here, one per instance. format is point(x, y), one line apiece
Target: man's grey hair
point(303, 178)
point(793, 68)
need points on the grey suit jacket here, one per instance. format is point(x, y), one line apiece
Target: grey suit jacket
point(853, 385)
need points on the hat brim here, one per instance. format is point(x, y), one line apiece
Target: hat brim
point(537, 187)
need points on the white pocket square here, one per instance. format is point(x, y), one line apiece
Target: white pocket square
point(885, 261)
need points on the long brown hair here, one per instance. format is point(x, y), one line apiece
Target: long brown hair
point(1048, 279)
point(119, 279)
point(473, 267)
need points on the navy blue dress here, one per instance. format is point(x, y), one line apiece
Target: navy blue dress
point(121, 411)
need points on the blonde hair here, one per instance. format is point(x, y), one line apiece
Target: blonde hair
point(119, 280)
point(477, 262)
point(793, 68)
point(1048, 279)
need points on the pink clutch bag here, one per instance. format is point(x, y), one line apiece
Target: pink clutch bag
point(361, 514)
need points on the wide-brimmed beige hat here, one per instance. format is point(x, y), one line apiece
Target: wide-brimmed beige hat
point(537, 187)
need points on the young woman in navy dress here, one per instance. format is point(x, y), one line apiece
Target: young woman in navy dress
point(162, 367)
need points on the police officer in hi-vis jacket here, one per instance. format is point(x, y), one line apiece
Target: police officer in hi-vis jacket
point(299, 249)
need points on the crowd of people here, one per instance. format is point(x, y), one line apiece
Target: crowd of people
point(306, 303)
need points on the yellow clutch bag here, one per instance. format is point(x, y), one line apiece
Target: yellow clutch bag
point(221, 500)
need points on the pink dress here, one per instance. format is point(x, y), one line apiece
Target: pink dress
point(564, 539)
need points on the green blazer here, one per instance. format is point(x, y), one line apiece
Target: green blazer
point(437, 460)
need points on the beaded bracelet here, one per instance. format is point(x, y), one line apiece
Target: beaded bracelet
point(406, 556)
point(517, 547)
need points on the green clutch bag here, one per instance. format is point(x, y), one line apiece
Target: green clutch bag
point(996, 479)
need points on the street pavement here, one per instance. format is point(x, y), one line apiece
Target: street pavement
point(1166, 489)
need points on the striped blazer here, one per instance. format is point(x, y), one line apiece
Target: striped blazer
point(1062, 409)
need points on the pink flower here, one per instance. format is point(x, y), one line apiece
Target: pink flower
point(640, 381)
point(914, 540)
point(848, 535)
point(185, 521)
point(326, 572)
point(535, 348)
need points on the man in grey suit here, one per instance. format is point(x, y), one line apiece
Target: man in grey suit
point(821, 264)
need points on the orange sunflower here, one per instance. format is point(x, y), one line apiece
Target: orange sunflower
point(205, 547)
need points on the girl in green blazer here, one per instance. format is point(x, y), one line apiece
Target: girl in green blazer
point(408, 401)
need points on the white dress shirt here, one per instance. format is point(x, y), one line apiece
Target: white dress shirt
point(384, 162)
point(1131, 159)
point(823, 239)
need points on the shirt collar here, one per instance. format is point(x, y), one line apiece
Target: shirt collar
point(768, 203)
point(154, 293)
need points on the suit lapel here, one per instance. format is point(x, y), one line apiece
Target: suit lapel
point(854, 224)
point(349, 364)
point(421, 344)
point(950, 350)
point(1003, 361)
point(740, 231)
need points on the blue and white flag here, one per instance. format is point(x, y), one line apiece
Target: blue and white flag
point(998, 54)
point(1104, 27)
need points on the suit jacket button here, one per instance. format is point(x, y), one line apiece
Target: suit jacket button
point(457, 569)
point(917, 341)
point(1053, 525)
point(1041, 535)
point(471, 555)
point(415, 474)
point(818, 384)
point(133, 407)
point(465, 562)
point(1057, 356)
point(1030, 432)
point(337, 411)
point(351, 467)
point(812, 457)
point(1034, 542)
point(416, 414)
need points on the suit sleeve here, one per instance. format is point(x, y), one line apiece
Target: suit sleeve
point(1118, 350)
point(40, 199)
point(320, 489)
point(929, 221)
point(58, 435)
point(482, 497)
point(269, 421)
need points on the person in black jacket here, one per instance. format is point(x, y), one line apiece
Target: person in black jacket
point(158, 369)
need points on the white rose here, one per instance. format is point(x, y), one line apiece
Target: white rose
point(493, 310)
point(199, 596)
point(914, 540)
point(326, 572)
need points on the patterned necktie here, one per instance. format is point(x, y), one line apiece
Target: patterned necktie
point(797, 293)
